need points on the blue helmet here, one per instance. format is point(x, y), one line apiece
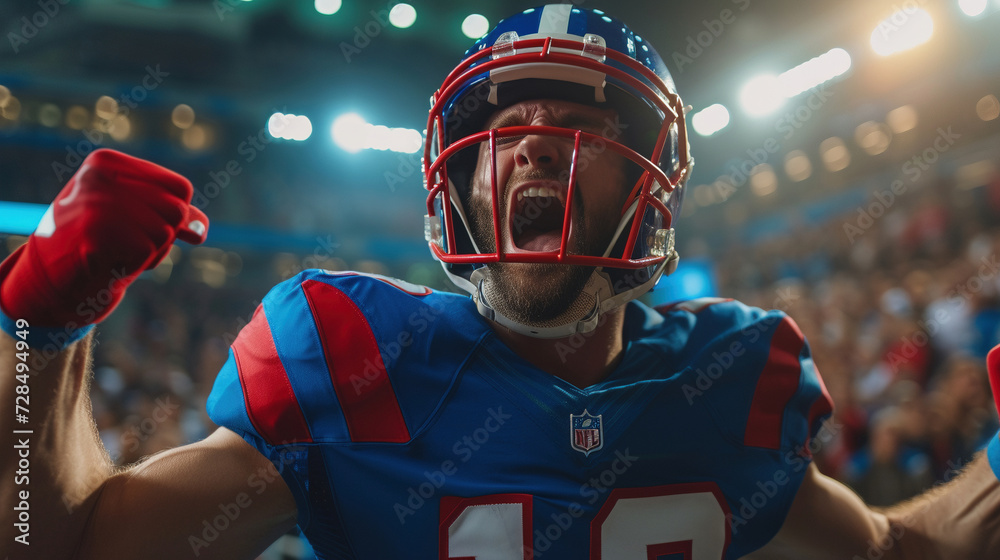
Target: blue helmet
point(581, 55)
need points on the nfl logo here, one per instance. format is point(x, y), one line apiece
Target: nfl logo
point(586, 432)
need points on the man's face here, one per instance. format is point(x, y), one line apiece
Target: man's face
point(532, 181)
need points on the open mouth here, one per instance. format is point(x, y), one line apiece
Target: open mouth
point(536, 219)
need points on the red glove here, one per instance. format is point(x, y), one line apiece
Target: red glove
point(117, 217)
point(993, 367)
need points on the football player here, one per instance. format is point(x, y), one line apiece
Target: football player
point(549, 415)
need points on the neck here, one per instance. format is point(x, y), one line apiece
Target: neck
point(581, 359)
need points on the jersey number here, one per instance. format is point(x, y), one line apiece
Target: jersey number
point(634, 524)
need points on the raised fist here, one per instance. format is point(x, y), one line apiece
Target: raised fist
point(116, 217)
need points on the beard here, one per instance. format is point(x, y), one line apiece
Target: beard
point(533, 293)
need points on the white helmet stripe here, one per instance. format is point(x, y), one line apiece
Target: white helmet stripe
point(555, 19)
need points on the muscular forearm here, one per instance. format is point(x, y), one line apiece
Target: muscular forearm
point(56, 470)
point(956, 521)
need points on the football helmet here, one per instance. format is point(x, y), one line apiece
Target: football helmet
point(581, 55)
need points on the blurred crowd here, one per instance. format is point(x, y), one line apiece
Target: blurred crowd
point(900, 306)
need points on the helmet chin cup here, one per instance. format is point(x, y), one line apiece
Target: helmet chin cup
point(578, 319)
point(586, 323)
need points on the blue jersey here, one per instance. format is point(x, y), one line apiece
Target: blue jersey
point(406, 429)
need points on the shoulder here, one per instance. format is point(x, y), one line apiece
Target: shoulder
point(708, 321)
point(321, 288)
point(754, 369)
point(713, 312)
point(320, 299)
point(331, 357)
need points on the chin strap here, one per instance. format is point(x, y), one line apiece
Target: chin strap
point(599, 287)
point(573, 326)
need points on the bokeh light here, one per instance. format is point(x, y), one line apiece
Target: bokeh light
point(402, 15)
point(475, 26)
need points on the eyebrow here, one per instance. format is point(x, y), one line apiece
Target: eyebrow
point(572, 120)
point(506, 118)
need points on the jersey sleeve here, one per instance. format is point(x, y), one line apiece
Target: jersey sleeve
point(790, 401)
point(759, 376)
point(753, 375)
point(320, 364)
point(276, 389)
point(253, 397)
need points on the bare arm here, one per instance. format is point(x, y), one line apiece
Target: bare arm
point(82, 507)
point(960, 520)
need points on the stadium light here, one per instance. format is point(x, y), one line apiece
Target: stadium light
point(763, 180)
point(762, 95)
point(972, 8)
point(835, 155)
point(988, 108)
point(814, 72)
point(348, 132)
point(328, 7)
point(710, 120)
point(902, 31)
point(902, 119)
point(352, 133)
point(402, 15)
point(182, 116)
point(797, 166)
point(475, 26)
point(289, 127)
point(766, 93)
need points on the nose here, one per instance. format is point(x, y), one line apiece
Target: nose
point(536, 150)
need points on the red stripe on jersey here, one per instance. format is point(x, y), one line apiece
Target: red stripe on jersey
point(777, 385)
point(271, 404)
point(356, 369)
point(823, 404)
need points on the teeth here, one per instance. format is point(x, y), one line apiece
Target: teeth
point(540, 192)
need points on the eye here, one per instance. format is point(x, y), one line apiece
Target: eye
point(509, 140)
